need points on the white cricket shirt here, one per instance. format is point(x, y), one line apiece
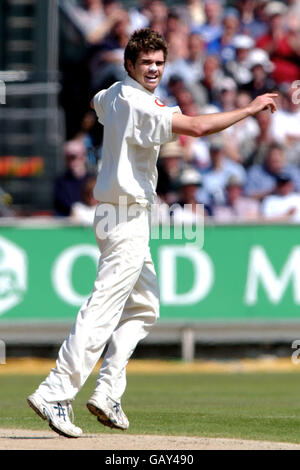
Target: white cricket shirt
point(135, 123)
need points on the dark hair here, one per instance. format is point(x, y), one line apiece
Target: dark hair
point(144, 40)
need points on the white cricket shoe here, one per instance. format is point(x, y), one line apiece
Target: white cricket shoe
point(108, 411)
point(56, 413)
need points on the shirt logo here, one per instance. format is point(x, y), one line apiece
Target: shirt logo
point(159, 103)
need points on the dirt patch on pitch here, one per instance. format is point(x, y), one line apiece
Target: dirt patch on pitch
point(19, 439)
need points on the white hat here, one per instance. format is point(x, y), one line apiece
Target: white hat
point(216, 141)
point(227, 83)
point(242, 41)
point(171, 149)
point(190, 176)
point(260, 57)
point(275, 8)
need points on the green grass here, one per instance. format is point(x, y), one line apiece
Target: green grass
point(264, 406)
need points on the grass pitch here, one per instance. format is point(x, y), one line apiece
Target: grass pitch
point(261, 406)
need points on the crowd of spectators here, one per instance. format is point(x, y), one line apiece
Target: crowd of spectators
point(221, 56)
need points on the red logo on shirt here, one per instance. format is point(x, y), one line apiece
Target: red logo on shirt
point(159, 103)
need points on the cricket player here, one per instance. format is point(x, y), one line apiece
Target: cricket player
point(124, 303)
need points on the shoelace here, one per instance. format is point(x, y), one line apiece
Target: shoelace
point(117, 407)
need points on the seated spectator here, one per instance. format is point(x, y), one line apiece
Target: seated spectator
point(238, 67)
point(192, 12)
point(176, 62)
point(196, 150)
point(170, 164)
point(285, 127)
point(107, 58)
point(260, 66)
point(261, 179)
point(6, 200)
point(252, 17)
point(87, 135)
point(188, 209)
point(139, 16)
point(157, 12)
point(237, 207)
point(281, 44)
point(186, 102)
point(196, 56)
point(263, 140)
point(68, 186)
point(251, 24)
point(284, 204)
point(227, 94)
point(205, 91)
point(83, 211)
point(214, 181)
point(91, 19)
point(212, 28)
point(222, 46)
point(240, 139)
point(175, 23)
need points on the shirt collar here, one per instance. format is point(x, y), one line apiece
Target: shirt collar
point(131, 82)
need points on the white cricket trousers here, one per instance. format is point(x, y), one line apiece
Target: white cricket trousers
point(123, 306)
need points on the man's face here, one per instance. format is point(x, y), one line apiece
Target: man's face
point(148, 69)
point(275, 161)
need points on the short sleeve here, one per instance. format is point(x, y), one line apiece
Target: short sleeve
point(154, 126)
point(99, 105)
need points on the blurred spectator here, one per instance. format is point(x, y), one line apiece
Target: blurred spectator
point(238, 67)
point(170, 163)
point(212, 28)
point(175, 24)
point(138, 15)
point(205, 90)
point(174, 86)
point(186, 102)
point(237, 206)
point(263, 140)
point(83, 211)
point(285, 124)
point(195, 58)
point(260, 66)
point(176, 62)
point(240, 139)
point(192, 12)
point(91, 19)
point(284, 204)
point(223, 45)
point(216, 178)
point(282, 44)
point(158, 14)
point(87, 135)
point(188, 209)
point(227, 94)
point(253, 23)
point(106, 60)
point(6, 201)
point(68, 186)
point(261, 179)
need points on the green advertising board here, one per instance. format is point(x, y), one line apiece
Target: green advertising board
point(242, 273)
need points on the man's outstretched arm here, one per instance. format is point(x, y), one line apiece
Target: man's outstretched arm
point(205, 124)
